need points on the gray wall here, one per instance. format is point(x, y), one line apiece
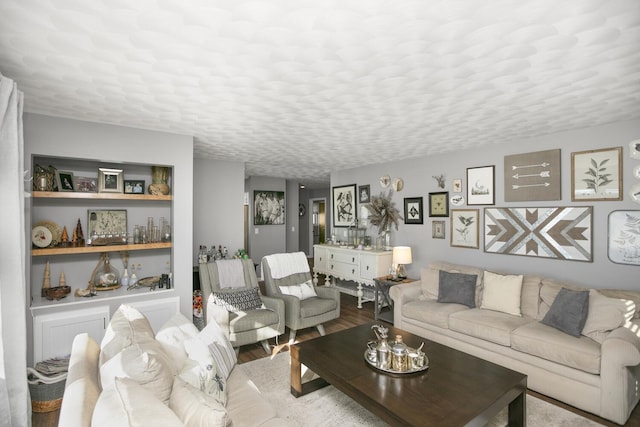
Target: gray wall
point(218, 197)
point(417, 175)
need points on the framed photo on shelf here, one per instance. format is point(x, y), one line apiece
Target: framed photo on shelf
point(64, 180)
point(623, 245)
point(465, 228)
point(437, 229)
point(413, 213)
point(364, 193)
point(110, 181)
point(134, 186)
point(481, 185)
point(344, 205)
point(268, 207)
point(84, 184)
point(439, 204)
point(596, 175)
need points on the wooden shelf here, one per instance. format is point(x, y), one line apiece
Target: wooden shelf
point(98, 196)
point(95, 249)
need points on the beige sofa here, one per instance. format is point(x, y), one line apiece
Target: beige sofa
point(598, 373)
point(159, 375)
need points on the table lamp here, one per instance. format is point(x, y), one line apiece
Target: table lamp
point(401, 256)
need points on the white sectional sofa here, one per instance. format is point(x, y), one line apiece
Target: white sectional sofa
point(597, 371)
point(179, 377)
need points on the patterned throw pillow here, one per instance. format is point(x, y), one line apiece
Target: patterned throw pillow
point(238, 299)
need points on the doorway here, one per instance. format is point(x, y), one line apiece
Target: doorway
point(318, 225)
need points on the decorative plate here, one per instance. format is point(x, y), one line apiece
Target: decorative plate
point(636, 172)
point(457, 200)
point(385, 180)
point(635, 193)
point(41, 236)
point(301, 209)
point(56, 231)
point(398, 184)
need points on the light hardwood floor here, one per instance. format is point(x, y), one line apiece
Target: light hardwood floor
point(350, 316)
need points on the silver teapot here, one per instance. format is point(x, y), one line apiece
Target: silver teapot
point(383, 350)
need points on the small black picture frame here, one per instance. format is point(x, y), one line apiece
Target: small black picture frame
point(413, 211)
point(134, 186)
point(364, 193)
point(64, 180)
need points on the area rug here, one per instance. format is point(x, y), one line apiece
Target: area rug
point(330, 407)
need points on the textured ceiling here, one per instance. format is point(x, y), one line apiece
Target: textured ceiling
point(298, 88)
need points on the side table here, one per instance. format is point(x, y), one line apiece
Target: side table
point(382, 298)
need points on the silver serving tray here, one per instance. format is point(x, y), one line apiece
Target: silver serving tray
point(372, 362)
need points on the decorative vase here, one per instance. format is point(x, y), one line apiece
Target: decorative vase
point(159, 179)
point(105, 275)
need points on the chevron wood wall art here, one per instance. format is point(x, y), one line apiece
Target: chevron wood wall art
point(550, 232)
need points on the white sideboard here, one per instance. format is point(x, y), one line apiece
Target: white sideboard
point(357, 265)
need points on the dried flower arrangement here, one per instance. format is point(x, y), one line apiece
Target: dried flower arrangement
point(383, 213)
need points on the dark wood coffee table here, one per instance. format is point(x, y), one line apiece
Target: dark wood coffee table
point(457, 390)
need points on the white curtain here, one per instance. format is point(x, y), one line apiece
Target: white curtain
point(15, 404)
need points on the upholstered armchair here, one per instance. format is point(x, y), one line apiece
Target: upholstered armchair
point(287, 277)
point(233, 300)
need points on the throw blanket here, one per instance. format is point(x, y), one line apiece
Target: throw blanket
point(283, 265)
point(230, 273)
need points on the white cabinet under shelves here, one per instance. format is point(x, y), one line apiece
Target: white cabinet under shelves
point(359, 266)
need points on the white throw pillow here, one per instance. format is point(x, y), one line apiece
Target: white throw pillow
point(127, 326)
point(126, 403)
point(605, 315)
point(213, 337)
point(502, 293)
point(195, 408)
point(144, 363)
point(172, 336)
point(302, 291)
point(201, 371)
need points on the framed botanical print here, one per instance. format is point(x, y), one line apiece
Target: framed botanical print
point(439, 204)
point(465, 228)
point(596, 175)
point(437, 229)
point(481, 185)
point(624, 229)
point(413, 210)
point(344, 205)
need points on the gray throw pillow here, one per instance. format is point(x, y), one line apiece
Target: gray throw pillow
point(457, 288)
point(568, 312)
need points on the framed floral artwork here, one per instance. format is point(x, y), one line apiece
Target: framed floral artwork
point(465, 228)
point(596, 175)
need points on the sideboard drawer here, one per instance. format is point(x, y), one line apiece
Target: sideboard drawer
point(343, 269)
point(346, 257)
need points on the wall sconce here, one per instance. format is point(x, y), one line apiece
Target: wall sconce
point(401, 257)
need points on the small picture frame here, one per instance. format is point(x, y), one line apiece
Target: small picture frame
point(64, 180)
point(457, 186)
point(596, 175)
point(344, 205)
point(465, 228)
point(439, 204)
point(85, 184)
point(481, 185)
point(413, 212)
point(634, 149)
point(135, 186)
point(364, 194)
point(110, 181)
point(438, 229)
point(623, 228)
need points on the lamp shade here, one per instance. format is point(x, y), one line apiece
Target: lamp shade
point(402, 255)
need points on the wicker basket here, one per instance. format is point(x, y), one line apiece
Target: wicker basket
point(46, 397)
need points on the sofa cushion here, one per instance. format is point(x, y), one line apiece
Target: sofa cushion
point(502, 293)
point(301, 291)
point(251, 320)
point(605, 315)
point(246, 405)
point(551, 344)
point(430, 278)
point(126, 403)
point(195, 408)
point(236, 300)
point(625, 295)
point(212, 335)
point(568, 312)
point(488, 325)
point(431, 312)
point(201, 371)
point(316, 306)
point(530, 296)
point(172, 335)
point(457, 288)
point(127, 326)
point(146, 364)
